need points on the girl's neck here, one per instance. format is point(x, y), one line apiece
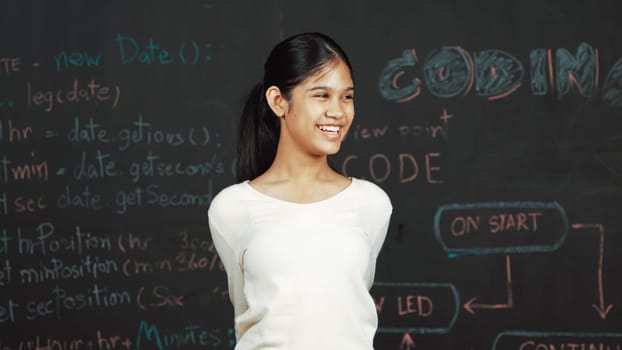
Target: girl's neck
point(300, 168)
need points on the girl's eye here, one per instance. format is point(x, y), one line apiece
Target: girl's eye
point(348, 97)
point(322, 95)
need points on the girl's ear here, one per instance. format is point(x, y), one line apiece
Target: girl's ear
point(276, 101)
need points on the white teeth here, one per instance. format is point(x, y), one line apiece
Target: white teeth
point(329, 128)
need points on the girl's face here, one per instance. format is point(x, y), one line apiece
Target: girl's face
point(319, 111)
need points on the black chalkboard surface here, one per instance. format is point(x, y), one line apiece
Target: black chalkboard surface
point(494, 126)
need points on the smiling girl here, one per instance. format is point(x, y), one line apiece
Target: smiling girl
point(298, 240)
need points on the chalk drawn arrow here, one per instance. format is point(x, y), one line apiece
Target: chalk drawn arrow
point(470, 305)
point(601, 308)
point(407, 342)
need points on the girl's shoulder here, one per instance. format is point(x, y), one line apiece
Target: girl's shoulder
point(230, 193)
point(370, 191)
point(228, 204)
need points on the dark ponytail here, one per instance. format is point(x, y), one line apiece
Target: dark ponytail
point(290, 62)
point(258, 135)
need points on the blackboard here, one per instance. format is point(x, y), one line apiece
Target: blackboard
point(494, 126)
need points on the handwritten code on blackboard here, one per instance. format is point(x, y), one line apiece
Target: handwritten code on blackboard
point(495, 128)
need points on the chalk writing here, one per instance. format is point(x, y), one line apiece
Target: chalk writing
point(415, 307)
point(8, 104)
point(5, 273)
point(152, 195)
point(56, 270)
point(381, 167)
point(191, 335)
point(141, 131)
point(131, 50)
point(100, 165)
point(99, 341)
point(34, 169)
point(82, 199)
point(504, 227)
point(130, 241)
point(357, 132)
point(7, 311)
point(152, 166)
point(87, 132)
point(195, 254)
point(532, 340)
point(183, 262)
point(94, 297)
point(61, 300)
point(424, 130)
point(14, 132)
point(91, 92)
point(115, 136)
point(579, 70)
point(448, 72)
point(76, 59)
point(24, 204)
point(602, 308)
point(471, 305)
point(9, 65)
point(158, 297)
point(45, 240)
point(4, 203)
point(612, 89)
point(428, 130)
point(452, 71)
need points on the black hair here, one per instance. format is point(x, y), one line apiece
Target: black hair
point(290, 62)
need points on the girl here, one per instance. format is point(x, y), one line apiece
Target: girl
point(298, 240)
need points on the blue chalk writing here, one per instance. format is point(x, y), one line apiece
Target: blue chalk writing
point(149, 333)
point(84, 199)
point(92, 297)
point(448, 71)
point(131, 50)
point(393, 70)
point(537, 58)
point(613, 86)
point(498, 73)
point(101, 166)
point(152, 166)
point(64, 60)
point(190, 335)
point(46, 240)
point(578, 70)
point(451, 71)
point(151, 195)
point(57, 269)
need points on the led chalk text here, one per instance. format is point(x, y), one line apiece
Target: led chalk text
point(452, 71)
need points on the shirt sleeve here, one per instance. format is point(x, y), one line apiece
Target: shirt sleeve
point(378, 214)
point(225, 235)
point(380, 232)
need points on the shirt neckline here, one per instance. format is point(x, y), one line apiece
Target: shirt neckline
point(278, 200)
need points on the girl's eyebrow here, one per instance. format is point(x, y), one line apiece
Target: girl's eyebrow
point(349, 88)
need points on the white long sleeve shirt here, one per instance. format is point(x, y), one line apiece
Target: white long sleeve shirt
point(299, 274)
